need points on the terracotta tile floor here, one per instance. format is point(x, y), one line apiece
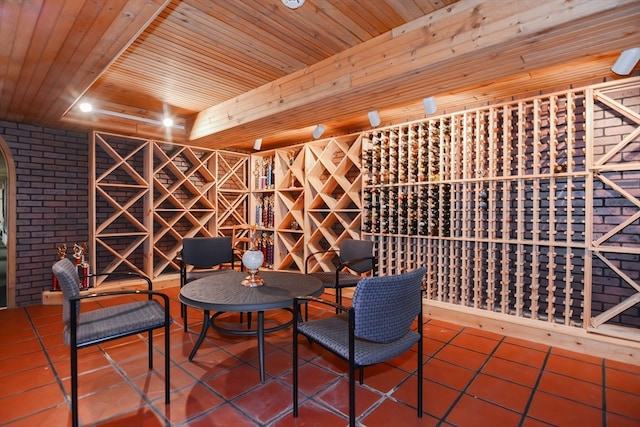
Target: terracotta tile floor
point(471, 378)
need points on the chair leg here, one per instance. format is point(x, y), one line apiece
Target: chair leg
point(167, 362)
point(420, 369)
point(295, 366)
point(352, 394)
point(184, 317)
point(74, 385)
point(151, 350)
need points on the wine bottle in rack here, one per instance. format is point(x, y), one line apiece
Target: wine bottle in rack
point(393, 210)
point(412, 225)
point(384, 211)
point(445, 218)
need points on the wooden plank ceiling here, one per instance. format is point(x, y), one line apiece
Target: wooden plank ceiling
point(229, 72)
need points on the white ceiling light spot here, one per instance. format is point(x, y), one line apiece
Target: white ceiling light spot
point(293, 4)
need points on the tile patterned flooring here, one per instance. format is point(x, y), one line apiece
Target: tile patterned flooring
point(471, 378)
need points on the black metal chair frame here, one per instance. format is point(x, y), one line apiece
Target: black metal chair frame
point(340, 268)
point(216, 261)
point(350, 312)
point(73, 325)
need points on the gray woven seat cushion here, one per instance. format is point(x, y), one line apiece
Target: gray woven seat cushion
point(110, 322)
point(328, 279)
point(333, 333)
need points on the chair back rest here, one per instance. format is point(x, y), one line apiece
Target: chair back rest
point(354, 249)
point(206, 252)
point(385, 307)
point(69, 281)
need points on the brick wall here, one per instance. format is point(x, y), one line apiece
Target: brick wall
point(51, 200)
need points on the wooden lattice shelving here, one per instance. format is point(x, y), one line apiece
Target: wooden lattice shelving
point(149, 195)
point(289, 209)
point(232, 191)
point(498, 203)
point(333, 204)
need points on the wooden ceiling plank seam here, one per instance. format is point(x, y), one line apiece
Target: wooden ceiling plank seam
point(363, 17)
point(349, 32)
point(231, 41)
point(408, 9)
point(203, 56)
point(17, 47)
point(314, 47)
point(293, 25)
point(74, 50)
point(53, 29)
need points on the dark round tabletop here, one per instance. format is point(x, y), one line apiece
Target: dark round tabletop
point(222, 291)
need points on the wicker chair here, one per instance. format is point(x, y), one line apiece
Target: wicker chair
point(200, 257)
point(354, 256)
point(376, 328)
point(105, 324)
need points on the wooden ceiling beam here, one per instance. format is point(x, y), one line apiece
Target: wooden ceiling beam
point(431, 55)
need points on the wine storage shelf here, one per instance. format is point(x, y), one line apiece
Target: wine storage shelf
point(148, 195)
point(507, 205)
point(306, 198)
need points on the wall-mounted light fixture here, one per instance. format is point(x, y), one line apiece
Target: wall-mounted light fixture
point(374, 118)
point(257, 144)
point(430, 106)
point(626, 61)
point(318, 131)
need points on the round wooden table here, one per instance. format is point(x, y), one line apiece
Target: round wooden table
point(222, 292)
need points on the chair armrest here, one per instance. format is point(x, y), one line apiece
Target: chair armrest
point(357, 260)
point(303, 300)
point(306, 261)
point(121, 292)
point(73, 302)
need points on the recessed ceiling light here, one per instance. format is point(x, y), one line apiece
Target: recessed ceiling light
point(85, 107)
point(167, 122)
point(293, 4)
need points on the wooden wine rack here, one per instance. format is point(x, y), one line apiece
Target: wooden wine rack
point(147, 195)
point(312, 199)
point(498, 203)
point(333, 203)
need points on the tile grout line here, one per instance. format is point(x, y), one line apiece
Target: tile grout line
point(535, 388)
point(49, 362)
point(475, 375)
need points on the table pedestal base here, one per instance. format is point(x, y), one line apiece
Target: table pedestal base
point(260, 331)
